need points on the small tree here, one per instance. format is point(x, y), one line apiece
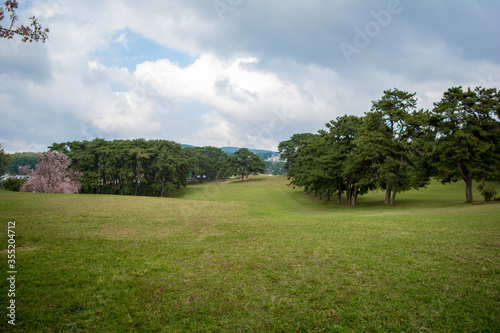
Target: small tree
point(487, 191)
point(247, 163)
point(51, 175)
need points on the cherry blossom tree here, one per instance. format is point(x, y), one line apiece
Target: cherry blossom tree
point(32, 33)
point(51, 175)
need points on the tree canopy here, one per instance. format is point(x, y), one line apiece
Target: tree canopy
point(245, 163)
point(396, 147)
point(134, 167)
point(467, 130)
point(22, 159)
point(150, 167)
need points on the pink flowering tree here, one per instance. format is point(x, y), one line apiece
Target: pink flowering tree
point(51, 175)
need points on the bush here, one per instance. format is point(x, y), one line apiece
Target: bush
point(13, 184)
point(487, 191)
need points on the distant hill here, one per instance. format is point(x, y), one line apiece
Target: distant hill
point(232, 150)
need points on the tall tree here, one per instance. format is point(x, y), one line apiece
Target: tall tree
point(208, 162)
point(138, 157)
point(289, 147)
point(169, 165)
point(4, 160)
point(467, 129)
point(388, 141)
point(352, 172)
point(32, 33)
point(304, 169)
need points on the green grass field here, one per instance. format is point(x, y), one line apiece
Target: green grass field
point(253, 256)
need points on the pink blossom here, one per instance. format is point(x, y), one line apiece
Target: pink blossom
point(51, 175)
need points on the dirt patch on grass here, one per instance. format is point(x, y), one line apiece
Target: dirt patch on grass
point(115, 230)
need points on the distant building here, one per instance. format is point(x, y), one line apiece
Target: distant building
point(7, 176)
point(274, 159)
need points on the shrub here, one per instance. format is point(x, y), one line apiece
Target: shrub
point(487, 191)
point(14, 184)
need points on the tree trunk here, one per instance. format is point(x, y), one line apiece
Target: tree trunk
point(354, 196)
point(387, 192)
point(348, 194)
point(339, 194)
point(468, 191)
point(393, 197)
point(467, 176)
point(328, 195)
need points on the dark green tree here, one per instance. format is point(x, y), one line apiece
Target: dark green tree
point(289, 147)
point(351, 170)
point(305, 170)
point(208, 163)
point(246, 163)
point(467, 129)
point(388, 140)
point(138, 156)
point(141, 167)
point(14, 184)
point(4, 160)
point(170, 166)
point(83, 158)
point(21, 159)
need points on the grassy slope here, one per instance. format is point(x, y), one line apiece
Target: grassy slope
point(254, 256)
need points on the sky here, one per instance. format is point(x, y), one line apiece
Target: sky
point(244, 73)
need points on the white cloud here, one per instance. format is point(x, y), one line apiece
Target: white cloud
point(245, 100)
point(265, 72)
point(215, 131)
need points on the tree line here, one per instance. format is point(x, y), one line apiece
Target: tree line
point(151, 167)
point(396, 147)
point(17, 160)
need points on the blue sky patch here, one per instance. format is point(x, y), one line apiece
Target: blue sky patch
point(127, 49)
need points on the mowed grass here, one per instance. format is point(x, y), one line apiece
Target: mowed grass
point(253, 256)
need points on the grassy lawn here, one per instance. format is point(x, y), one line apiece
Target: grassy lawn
point(253, 256)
